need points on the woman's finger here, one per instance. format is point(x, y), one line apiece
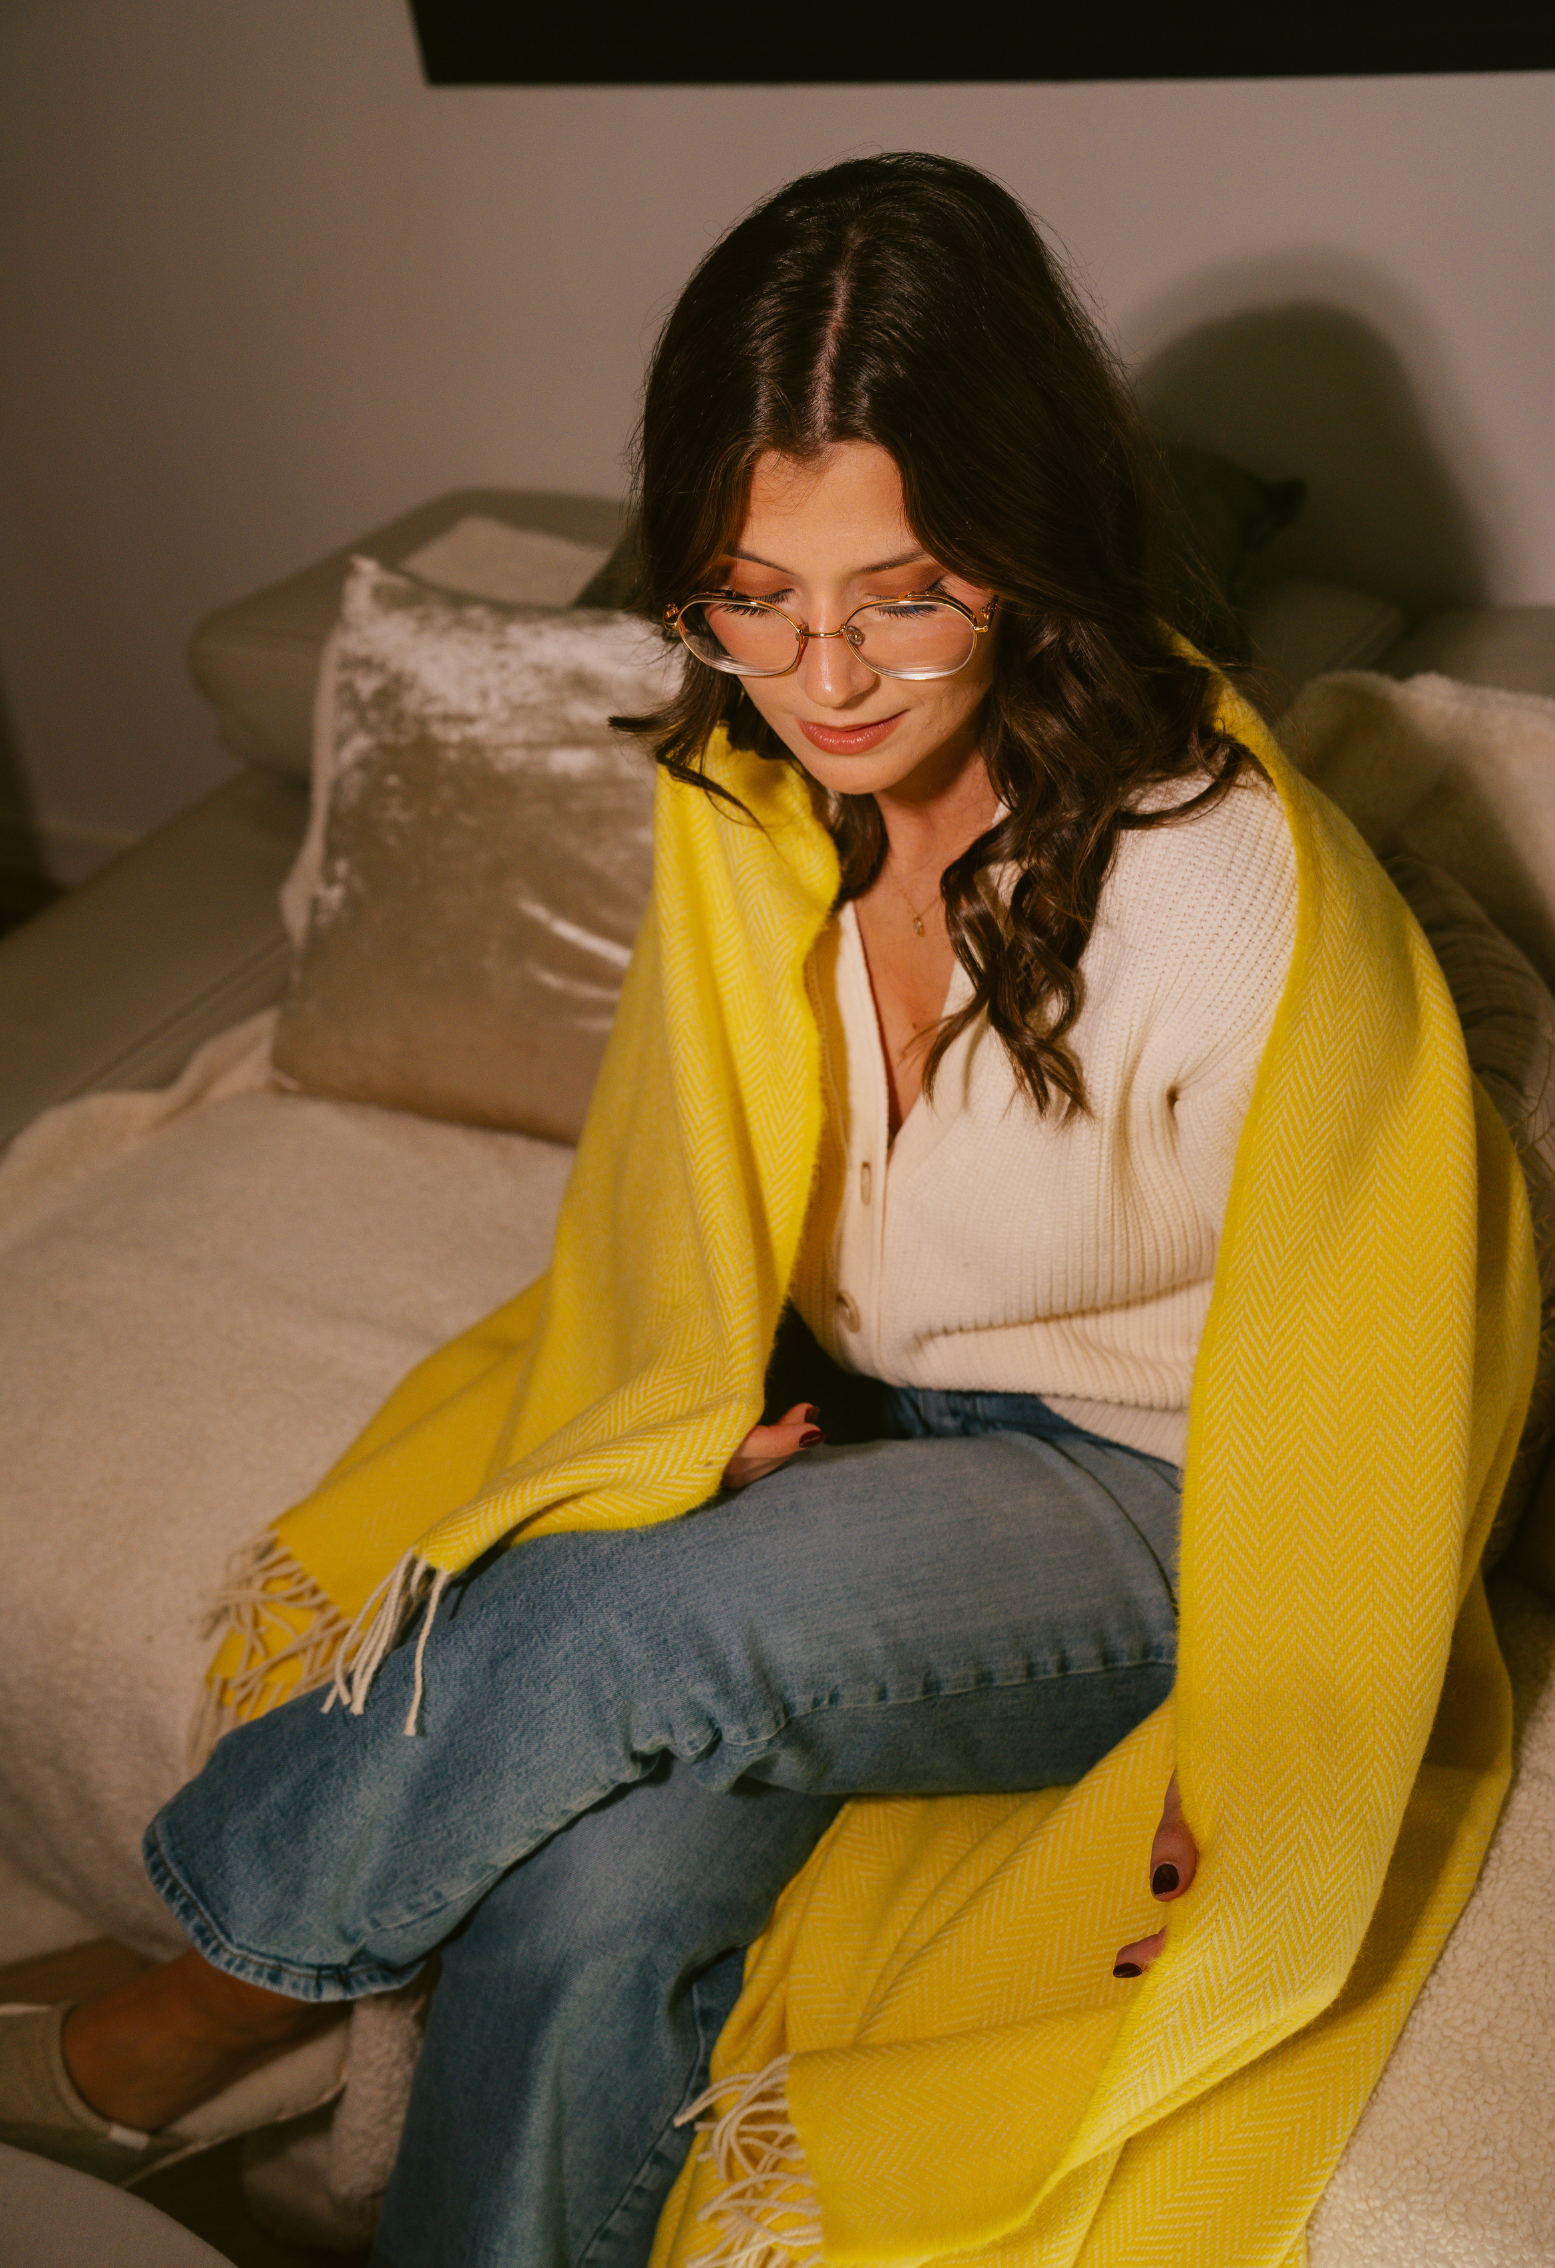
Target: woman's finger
point(1133, 1960)
point(766, 1447)
point(1174, 1858)
point(1174, 1855)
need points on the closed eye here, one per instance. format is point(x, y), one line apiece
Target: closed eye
point(912, 603)
point(735, 602)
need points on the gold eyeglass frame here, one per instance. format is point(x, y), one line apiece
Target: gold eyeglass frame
point(804, 635)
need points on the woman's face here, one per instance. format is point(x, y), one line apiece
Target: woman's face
point(819, 538)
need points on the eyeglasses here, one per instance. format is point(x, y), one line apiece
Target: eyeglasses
point(922, 634)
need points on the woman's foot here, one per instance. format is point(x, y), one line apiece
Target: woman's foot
point(146, 2053)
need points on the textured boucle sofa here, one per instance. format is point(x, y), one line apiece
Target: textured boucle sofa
point(224, 1239)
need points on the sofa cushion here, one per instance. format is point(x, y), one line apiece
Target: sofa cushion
point(483, 854)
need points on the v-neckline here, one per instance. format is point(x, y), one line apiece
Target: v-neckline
point(881, 1062)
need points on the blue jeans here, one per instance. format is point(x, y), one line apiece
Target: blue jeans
point(630, 1742)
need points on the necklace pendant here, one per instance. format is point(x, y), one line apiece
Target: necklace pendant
point(917, 924)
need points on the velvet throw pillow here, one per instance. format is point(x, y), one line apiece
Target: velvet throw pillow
point(480, 856)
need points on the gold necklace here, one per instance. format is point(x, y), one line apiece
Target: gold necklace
point(916, 911)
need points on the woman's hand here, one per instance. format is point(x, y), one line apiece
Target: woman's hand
point(766, 1447)
point(1173, 1857)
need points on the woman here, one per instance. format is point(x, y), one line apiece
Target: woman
point(895, 504)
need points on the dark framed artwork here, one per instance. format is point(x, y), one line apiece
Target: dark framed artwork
point(915, 42)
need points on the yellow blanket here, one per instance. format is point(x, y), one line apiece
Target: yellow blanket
point(947, 2068)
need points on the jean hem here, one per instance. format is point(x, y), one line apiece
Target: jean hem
point(323, 1981)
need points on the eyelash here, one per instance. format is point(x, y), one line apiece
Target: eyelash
point(776, 598)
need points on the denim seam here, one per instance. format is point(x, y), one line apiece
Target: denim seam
point(638, 2182)
point(818, 1708)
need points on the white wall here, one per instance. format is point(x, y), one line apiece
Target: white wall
point(260, 287)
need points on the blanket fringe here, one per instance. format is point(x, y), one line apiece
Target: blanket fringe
point(767, 2214)
point(264, 1587)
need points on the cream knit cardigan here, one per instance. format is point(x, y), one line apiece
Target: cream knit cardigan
point(994, 1247)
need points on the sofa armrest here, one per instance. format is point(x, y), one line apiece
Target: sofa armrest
point(118, 983)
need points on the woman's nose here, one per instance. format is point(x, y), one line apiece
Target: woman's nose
point(832, 672)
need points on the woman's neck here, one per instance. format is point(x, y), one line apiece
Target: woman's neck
point(925, 830)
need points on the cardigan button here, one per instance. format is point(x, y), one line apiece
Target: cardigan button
point(848, 1311)
point(866, 1180)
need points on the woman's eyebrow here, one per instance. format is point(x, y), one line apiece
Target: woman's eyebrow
point(881, 566)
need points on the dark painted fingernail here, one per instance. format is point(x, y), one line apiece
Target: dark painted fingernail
point(1128, 1969)
point(812, 1414)
point(1164, 1878)
point(809, 1440)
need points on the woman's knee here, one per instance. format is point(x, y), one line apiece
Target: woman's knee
point(658, 1879)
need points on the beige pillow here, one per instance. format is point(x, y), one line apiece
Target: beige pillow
point(1508, 1019)
point(481, 856)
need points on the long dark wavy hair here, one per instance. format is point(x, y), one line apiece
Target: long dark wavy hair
point(908, 300)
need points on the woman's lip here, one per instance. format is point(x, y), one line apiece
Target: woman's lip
point(848, 740)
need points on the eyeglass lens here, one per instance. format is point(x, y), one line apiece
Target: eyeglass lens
point(897, 638)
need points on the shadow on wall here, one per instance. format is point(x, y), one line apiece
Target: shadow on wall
point(1396, 501)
